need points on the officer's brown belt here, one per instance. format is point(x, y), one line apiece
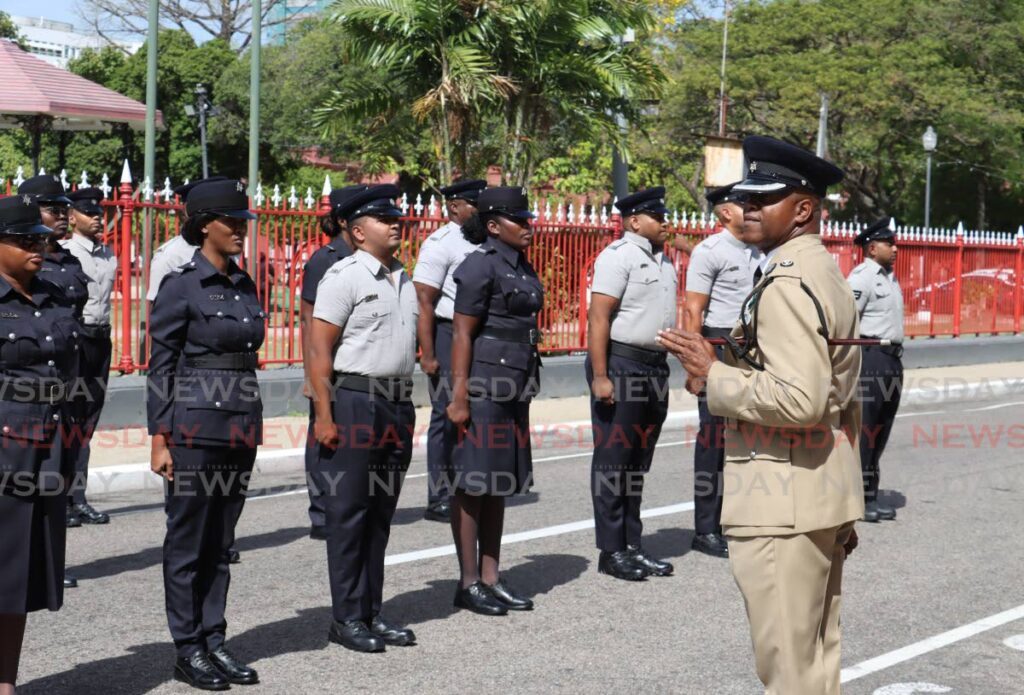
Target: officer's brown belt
point(529, 336)
point(241, 361)
point(391, 388)
point(651, 357)
point(48, 391)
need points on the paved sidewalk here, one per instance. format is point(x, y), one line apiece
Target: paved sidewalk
point(286, 434)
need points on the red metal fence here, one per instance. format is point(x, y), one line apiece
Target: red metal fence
point(954, 281)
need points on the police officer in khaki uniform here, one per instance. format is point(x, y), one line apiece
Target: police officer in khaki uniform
point(361, 355)
point(792, 475)
point(880, 303)
point(719, 277)
point(633, 296)
point(434, 278)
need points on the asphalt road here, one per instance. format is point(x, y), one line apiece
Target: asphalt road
point(933, 601)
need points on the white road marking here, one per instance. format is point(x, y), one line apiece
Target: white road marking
point(930, 644)
point(1015, 642)
point(909, 688)
point(532, 535)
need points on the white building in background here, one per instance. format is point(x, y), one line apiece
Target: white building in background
point(58, 42)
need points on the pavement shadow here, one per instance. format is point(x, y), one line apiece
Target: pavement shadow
point(892, 498)
point(145, 668)
point(669, 542)
point(148, 557)
point(539, 575)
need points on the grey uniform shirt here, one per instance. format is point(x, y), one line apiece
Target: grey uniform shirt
point(376, 309)
point(169, 256)
point(441, 254)
point(100, 264)
point(644, 282)
point(722, 267)
point(879, 301)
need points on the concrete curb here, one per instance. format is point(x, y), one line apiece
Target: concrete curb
point(137, 476)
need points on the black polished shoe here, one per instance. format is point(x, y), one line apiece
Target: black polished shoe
point(885, 513)
point(231, 668)
point(70, 581)
point(871, 512)
point(234, 557)
point(479, 598)
point(88, 515)
point(509, 598)
point(712, 544)
point(355, 635)
point(72, 519)
point(654, 567)
point(439, 511)
point(395, 636)
point(318, 533)
point(198, 672)
point(621, 566)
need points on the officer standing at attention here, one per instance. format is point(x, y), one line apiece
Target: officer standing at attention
point(719, 277)
point(362, 352)
point(434, 278)
point(790, 399)
point(37, 351)
point(880, 303)
point(100, 266)
point(206, 419)
point(633, 297)
point(495, 375)
point(62, 269)
point(339, 247)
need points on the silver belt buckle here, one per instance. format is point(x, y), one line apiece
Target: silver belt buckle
point(535, 336)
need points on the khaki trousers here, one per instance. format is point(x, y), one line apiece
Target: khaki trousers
point(792, 586)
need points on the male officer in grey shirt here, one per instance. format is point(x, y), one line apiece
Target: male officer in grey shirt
point(880, 304)
point(434, 278)
point(718, 279)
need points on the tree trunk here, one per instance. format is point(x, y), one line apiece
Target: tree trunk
point(982, 212)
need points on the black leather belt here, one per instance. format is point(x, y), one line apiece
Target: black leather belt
point(393, 388)
point(630, 352)
point(438, 319)
point(96, 330)
point(891, 350)
point(48, 391)
point(240, 361)
point(530, 336)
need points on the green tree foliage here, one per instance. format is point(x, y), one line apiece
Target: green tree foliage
point(890, 68)
point(9, 30)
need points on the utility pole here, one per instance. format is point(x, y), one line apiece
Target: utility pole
point(722, 104)
point(254, 124)
point(620, 169)
point(151, 53)
point(822, 148)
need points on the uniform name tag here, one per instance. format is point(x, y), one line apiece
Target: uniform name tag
point(8, 315)
point(370, 298)
point(644, 265)
point(729, 270)
point(217, 297)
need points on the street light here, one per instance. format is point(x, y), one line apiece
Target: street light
point(929, 140)
point(203, 109)
point(620, 170)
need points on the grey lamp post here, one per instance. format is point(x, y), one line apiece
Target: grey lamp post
point(929, 140)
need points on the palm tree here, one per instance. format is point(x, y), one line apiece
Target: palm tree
point(422, 58)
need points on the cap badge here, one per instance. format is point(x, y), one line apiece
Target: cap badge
point(753, 166)
point(239, 187)
point(26, 199)
point(786, 264)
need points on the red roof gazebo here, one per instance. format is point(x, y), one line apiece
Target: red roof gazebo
point(36, 95)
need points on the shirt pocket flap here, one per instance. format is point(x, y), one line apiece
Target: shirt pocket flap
point(27, 421)
point(503, 353)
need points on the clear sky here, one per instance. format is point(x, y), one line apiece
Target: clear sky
point(62, 10)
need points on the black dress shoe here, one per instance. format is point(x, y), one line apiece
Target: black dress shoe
point(871, 512)
point(885, 513)
point(621, 566)
point(438, 511)
point(70, 581)
point(654, 567)
point(198, 672)
point(712, 544)
point(355, 635)
point(231, 668)
point(234, 557)
point(509, 598)
point(318, 533)
point(72, 519)
point(479, 598)
point(88, 515)
point(395, 636)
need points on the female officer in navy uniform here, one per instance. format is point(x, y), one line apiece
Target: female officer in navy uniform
point(38, 339)
point(494, 375)
point(206, 419)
